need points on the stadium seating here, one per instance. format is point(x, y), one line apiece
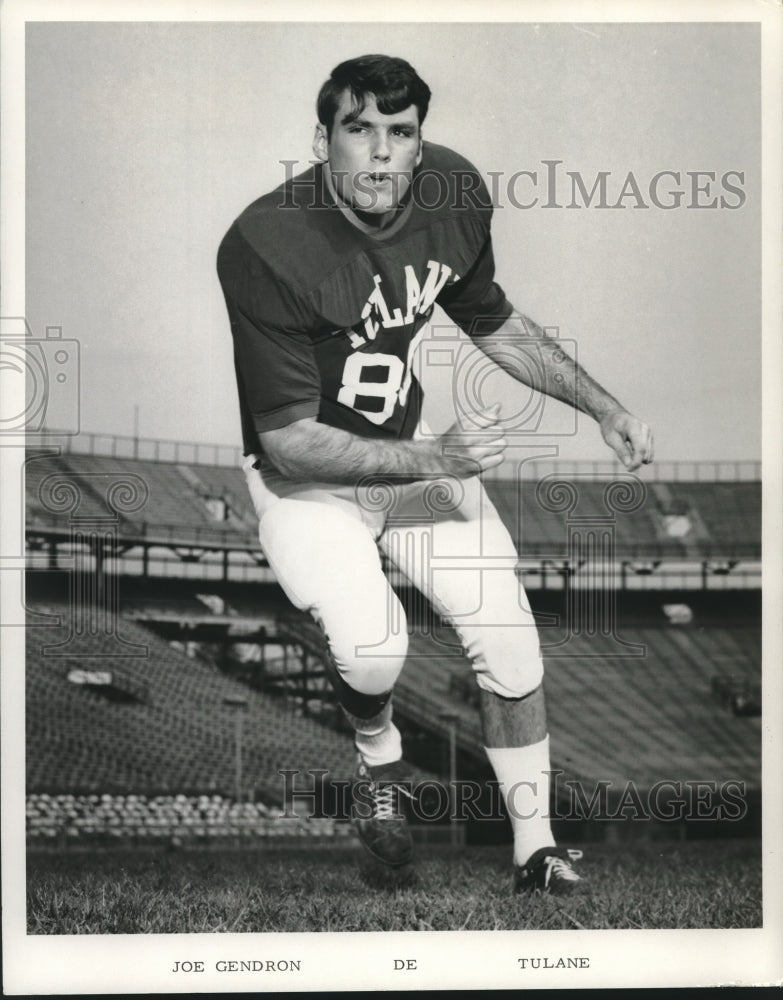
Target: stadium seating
point(179, 818)
point(182, 741)
point(726, 516)
point(617, 718)
point(612, 717)
point(223, 480)
point(731, 512)
point(652, 717)
point(685, 709)
point(175, 499)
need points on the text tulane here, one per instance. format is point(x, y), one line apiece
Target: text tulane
point(554, 963)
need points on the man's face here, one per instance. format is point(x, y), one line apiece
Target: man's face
point(371, 155)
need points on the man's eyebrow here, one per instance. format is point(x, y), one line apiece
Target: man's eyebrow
point(350, 119)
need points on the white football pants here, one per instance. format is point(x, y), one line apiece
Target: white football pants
point(444, 535)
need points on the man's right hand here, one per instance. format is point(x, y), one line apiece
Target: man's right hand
point(465, 453)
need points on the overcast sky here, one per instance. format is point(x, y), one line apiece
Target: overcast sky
point(144, 141)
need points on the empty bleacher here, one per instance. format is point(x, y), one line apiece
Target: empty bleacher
point(612, 718)
point(176, 505)
point(181, 819)
point(614, 715)
point(726, 516)
point(426, 692)
point(182, 740)
point(616, 718)
point(731, 512)
point(653, 717)
point(229, 481)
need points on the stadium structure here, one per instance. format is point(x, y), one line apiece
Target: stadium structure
point(175, 696)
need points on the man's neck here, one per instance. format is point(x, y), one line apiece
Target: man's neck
point(375, 220)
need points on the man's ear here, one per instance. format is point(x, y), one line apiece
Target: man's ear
point(321, 143)
point(418, 155)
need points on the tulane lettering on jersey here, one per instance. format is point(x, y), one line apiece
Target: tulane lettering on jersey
point(326, 317)
point(376, 378)
point(420, 301)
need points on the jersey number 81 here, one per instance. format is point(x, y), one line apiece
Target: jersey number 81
point(390, 390)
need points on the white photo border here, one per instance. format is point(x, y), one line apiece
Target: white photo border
point(39, 965)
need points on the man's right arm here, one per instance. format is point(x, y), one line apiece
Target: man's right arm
point(278, 376)
point(308, 451)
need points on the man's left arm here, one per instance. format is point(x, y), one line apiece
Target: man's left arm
point(521, 348)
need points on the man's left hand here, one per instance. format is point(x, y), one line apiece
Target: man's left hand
point(630, 438)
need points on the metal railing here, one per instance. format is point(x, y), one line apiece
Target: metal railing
point(659, 472)
point(145, 449)
point(242, 539)
point(237, 539)
point(200, 453)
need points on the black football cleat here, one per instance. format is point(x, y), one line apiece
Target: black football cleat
point(549, 870)
point(377, 812)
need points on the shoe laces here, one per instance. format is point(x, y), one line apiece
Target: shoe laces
point(561, 867)
point(384, 799)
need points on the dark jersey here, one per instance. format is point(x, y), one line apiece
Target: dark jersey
point(326, 316)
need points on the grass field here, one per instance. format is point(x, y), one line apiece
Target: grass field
point(647, 885)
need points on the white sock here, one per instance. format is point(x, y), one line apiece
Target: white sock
point(378, 740)
point(522, 773)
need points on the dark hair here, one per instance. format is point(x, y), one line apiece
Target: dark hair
point(393, 83)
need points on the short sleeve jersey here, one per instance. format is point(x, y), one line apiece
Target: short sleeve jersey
point(326, 316)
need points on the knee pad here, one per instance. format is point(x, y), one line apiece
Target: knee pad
point(507, 661)
point(327, 563)
point(366, 667)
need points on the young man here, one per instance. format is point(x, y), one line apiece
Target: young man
point(329, 282)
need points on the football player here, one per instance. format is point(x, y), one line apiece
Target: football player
point(329, 281)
